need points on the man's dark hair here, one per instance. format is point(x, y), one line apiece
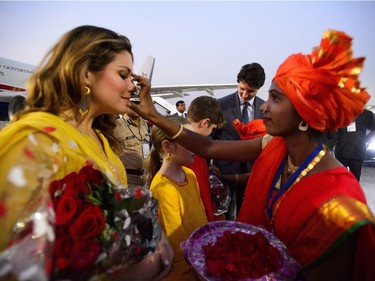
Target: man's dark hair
point(252, 74)
point(179, 102)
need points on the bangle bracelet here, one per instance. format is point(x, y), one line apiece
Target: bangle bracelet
point(178, 133)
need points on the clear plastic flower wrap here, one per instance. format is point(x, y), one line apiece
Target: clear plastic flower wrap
point(81, 226)
point(134, 218)
point(220, 194)
point(28, 255)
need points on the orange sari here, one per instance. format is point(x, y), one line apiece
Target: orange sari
point(331, 202)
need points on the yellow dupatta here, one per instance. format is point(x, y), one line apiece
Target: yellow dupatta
point(42, 145)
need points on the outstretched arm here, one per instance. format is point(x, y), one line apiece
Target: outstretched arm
point(244, 150)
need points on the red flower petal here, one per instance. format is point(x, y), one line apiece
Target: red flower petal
point(241, 255)
point(28, 153)
point(49, 129)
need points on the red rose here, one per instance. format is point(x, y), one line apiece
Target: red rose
point(69, 178)
point(89, 224)
point(91, 175)
point(54, 187)
point(55, 190)
point(84, 254)
point(62, 249)
point(76, 184)
point(67, 208)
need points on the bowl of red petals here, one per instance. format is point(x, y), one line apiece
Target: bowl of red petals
point(234, 251)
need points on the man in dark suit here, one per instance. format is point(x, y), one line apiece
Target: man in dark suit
point(245, 106)
point(181, 108)
point(350, 148)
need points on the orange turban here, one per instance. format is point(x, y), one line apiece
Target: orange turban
point(323, 86)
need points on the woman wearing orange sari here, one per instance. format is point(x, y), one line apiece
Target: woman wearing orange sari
point(296, 189)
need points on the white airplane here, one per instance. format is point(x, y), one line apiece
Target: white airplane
point(175, 91)
point(14, 74)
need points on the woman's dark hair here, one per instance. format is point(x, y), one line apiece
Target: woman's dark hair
point(252, 74)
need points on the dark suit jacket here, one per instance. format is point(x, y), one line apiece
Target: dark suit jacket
point(231, 109)
point(352, 145)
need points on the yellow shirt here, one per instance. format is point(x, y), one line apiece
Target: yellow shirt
point(180, 212)
point(42, 147)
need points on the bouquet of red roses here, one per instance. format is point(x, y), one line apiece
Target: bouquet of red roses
point(99, 227)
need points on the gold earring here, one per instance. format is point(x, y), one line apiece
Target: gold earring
point(303, 126)
point(86, 91)
point(84, 106)
point(169, 158)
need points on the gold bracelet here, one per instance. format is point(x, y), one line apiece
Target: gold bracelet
point(178, 133)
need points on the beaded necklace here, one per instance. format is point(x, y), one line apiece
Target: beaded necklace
point(291, 168)
point(307, 165)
